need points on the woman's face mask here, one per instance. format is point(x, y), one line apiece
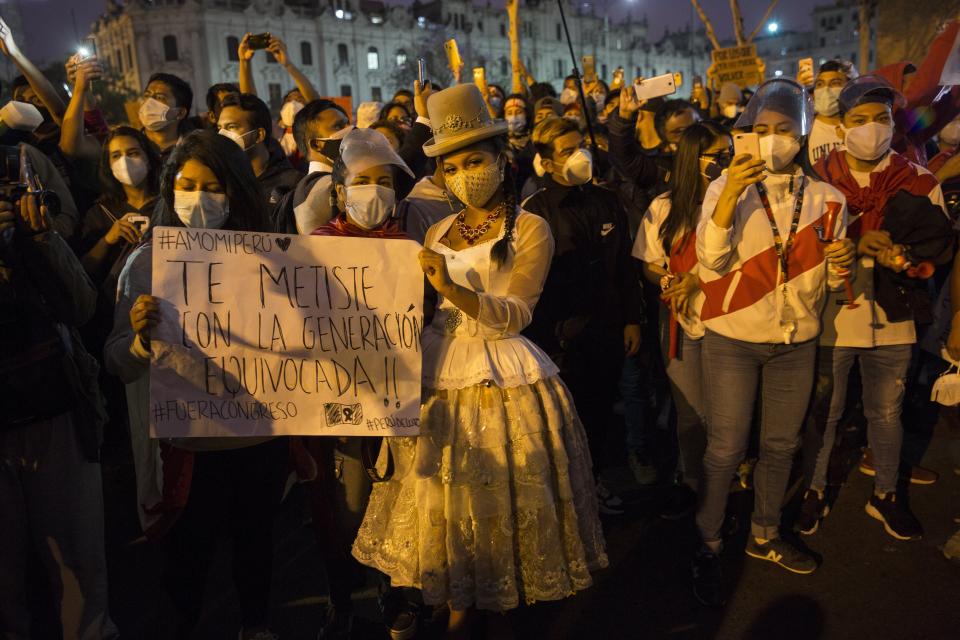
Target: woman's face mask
point(869, 141)
point(129, 171)
point(475, 187)
point(778, 150)
point(516, 124)
point(369, 205)
point(201, 209)
point(568, 96)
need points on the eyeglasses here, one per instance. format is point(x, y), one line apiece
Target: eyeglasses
point(722, 158)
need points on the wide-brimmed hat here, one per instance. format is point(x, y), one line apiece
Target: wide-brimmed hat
point(459, 118)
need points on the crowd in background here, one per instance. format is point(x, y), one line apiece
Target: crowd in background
point(588, 253)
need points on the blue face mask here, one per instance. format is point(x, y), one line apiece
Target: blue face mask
point(516, 124)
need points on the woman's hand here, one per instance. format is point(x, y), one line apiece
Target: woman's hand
point(434, 266)
point(680, 292)
point(420, 95)
point(144, 316)
point(279, 50)
point(244, 52)
point(840, 253)
point(744, 171)
point(629, 105)
point(124, 230)
point(632, 337)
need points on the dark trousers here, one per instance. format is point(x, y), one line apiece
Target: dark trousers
point(591, 368)
point(236, 494)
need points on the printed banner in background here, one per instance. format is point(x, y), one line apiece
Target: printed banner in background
point(266, 334)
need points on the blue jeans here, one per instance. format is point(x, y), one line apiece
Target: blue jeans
point(685, 373)
point(635, 390)
point(883, 371)
point(733, 370)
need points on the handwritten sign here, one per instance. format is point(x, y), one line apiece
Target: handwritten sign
point(265, 334)
point(736, 64)
point(950, 76)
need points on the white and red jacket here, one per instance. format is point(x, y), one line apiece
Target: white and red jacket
point(740, 271)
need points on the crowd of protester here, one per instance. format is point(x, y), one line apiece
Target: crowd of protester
point(587, 253)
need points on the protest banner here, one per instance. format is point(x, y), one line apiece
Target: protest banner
point(266, 334)
point(736, 64)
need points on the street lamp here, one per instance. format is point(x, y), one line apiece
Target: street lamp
point(773, 27)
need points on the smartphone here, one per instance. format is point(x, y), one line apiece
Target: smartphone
point(421, 71)
point(258, 41)
point(480, 79)
point(453, 54)
point(87, 49)
point(589, 69)
point(656, 87)
point(142, 223)
point(678, 79)
point(618, 76)
point(805, 65)
point(748, 143)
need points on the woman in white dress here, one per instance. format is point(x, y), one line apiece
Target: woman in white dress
point(494, 503)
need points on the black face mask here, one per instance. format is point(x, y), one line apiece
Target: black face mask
point(331, 148)
point(713, 170)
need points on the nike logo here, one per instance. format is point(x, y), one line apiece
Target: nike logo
point(606, 229)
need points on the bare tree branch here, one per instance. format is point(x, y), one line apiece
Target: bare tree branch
point(711, 36)
point(763, 20)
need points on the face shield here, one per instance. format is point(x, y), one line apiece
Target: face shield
point(365, 148)
point(783, 96)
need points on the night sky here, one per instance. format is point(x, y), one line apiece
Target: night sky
point(49, 31)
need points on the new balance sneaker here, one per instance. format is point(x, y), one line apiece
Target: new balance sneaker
point(812, 511)
point(708, 578)
point(896, 517)
point(918, 474)
point(609, 503)
point(781, 552)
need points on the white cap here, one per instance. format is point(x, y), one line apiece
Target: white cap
point(365, 148)
point(368, 113)
point(21, 116)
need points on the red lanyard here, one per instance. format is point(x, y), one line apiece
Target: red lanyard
point(783, 251)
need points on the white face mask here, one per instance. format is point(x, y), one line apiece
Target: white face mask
point(868, 141)
point(368, 205)
point(201, 209)
point(154, 115)
point(950, 134)
point(568, 96)
point(578, 169)
point(289, 111)
point(728, 111)
point(129, 171)
point(826, 101)
point(778, 150)
point(599, 99)
point(475, 187)
point(239, 138)
point(516, 124)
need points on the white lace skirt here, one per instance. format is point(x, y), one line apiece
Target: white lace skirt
point(492, 504)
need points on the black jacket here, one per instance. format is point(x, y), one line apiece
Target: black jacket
point(593, 287)
point(278, 178)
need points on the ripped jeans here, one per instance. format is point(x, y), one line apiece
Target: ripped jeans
point(883, 371)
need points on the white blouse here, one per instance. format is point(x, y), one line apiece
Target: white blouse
point(460, 351)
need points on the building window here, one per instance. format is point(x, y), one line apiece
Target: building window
point(170, 53)
point(823, 42)
point(638, 74)
point(306, 53)
point(119, 59)
point(603, 71)
point(276, 95)
point(559, 68)
point(343, 57)
point(373, 58)
point(559, 33)
point(376, 94)
point(129, 57)
point(503, 30)
point(270, 58)
point(504, 69)
point(346, 90)
point(401, 58)
point(480, 26)
point(233, 45)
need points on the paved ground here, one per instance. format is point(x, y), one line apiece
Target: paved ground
point(869, 585)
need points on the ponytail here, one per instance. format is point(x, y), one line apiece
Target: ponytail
point(501, 248)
